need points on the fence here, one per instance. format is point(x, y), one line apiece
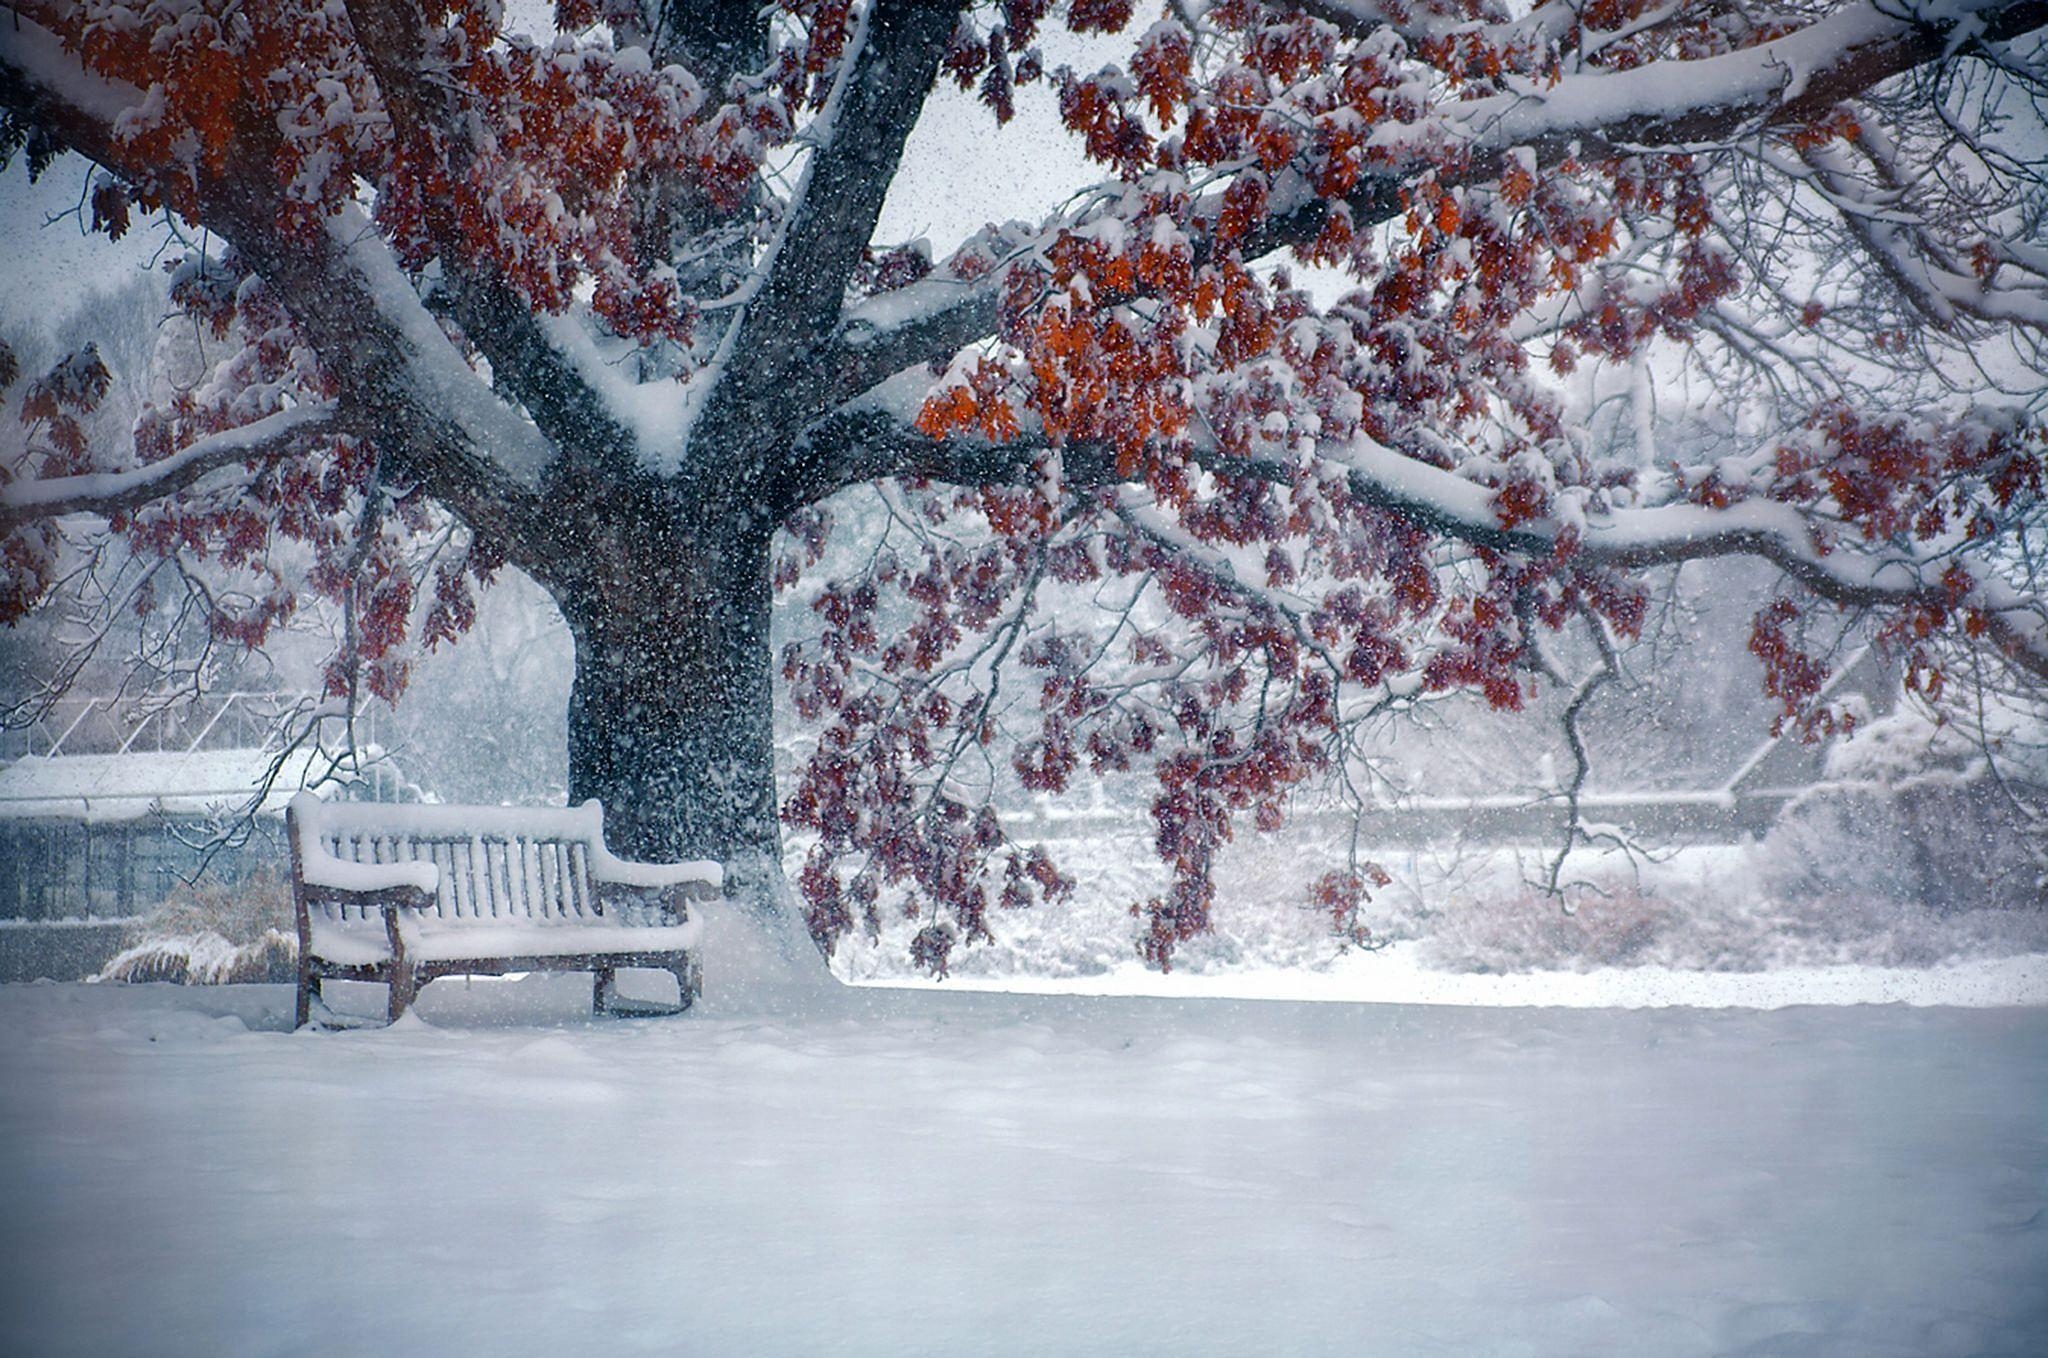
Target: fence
point(240, 719)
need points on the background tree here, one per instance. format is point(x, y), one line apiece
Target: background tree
point(609, 308)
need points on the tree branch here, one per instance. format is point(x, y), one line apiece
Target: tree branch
point(869, 445)
point(419, 400)
point(1666, 104)
point(859, 445)
point(1446, 504)
point(888, 72)
point(856, 446)
point(1582, 763)
point(427, 123)
point(404, 385)
point(104, 493)
point(1790, 80)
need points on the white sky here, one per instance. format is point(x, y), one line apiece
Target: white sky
point(50, 265)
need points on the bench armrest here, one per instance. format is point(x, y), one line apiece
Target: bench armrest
point(697, 880)
point(669, 884)
point(628, 903)
point(316, 867)
point(400, 906)
point(389, 899)
point(626, 889)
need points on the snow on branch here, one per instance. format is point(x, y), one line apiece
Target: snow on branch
point(1667, 535)
point(433, 374)
point(1666, 103)
point(1931, 280)
point(927, 320)
point(1448, 504)
point(409, 385)
point(35, 68)
point(871, 444)
point(104, 493)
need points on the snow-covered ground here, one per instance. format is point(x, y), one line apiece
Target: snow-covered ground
point(893, 1170)
point(1402, 974)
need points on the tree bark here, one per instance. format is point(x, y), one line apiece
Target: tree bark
point(671, 720)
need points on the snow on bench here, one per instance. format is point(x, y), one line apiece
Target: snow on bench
point(404, 894)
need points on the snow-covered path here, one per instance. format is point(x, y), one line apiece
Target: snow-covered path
point(958, 1173)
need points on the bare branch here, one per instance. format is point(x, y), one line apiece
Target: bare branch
point(1582, 763)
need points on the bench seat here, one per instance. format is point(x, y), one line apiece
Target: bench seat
point(365, 944)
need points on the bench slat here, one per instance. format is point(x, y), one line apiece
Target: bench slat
point(465, 854)
point(508, 866)
point(551, 882)
point(413, 851)
point(504, 895)
point(508, 870)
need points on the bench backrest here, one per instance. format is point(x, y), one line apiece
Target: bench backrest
point(494, 863)
point(486, 876)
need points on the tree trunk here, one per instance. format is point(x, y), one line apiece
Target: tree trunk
point(671, 720)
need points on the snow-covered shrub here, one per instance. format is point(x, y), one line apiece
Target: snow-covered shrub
point(1843, 842)
point(1706, 911)
point(1914, 811)
point(214, 933)
point(206, 959)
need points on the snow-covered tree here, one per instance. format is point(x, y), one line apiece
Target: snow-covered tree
point(1275, 427)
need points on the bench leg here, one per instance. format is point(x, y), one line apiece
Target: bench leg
point(689, 981)
point(405, 988)
point(603, 982)
point(309, 985)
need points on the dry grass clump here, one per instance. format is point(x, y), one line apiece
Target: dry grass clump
point(214, 933)
point(1529, 931)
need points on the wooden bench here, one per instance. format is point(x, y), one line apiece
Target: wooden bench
point(404, 894)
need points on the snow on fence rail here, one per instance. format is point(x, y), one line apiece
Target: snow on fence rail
point(1713, 816)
